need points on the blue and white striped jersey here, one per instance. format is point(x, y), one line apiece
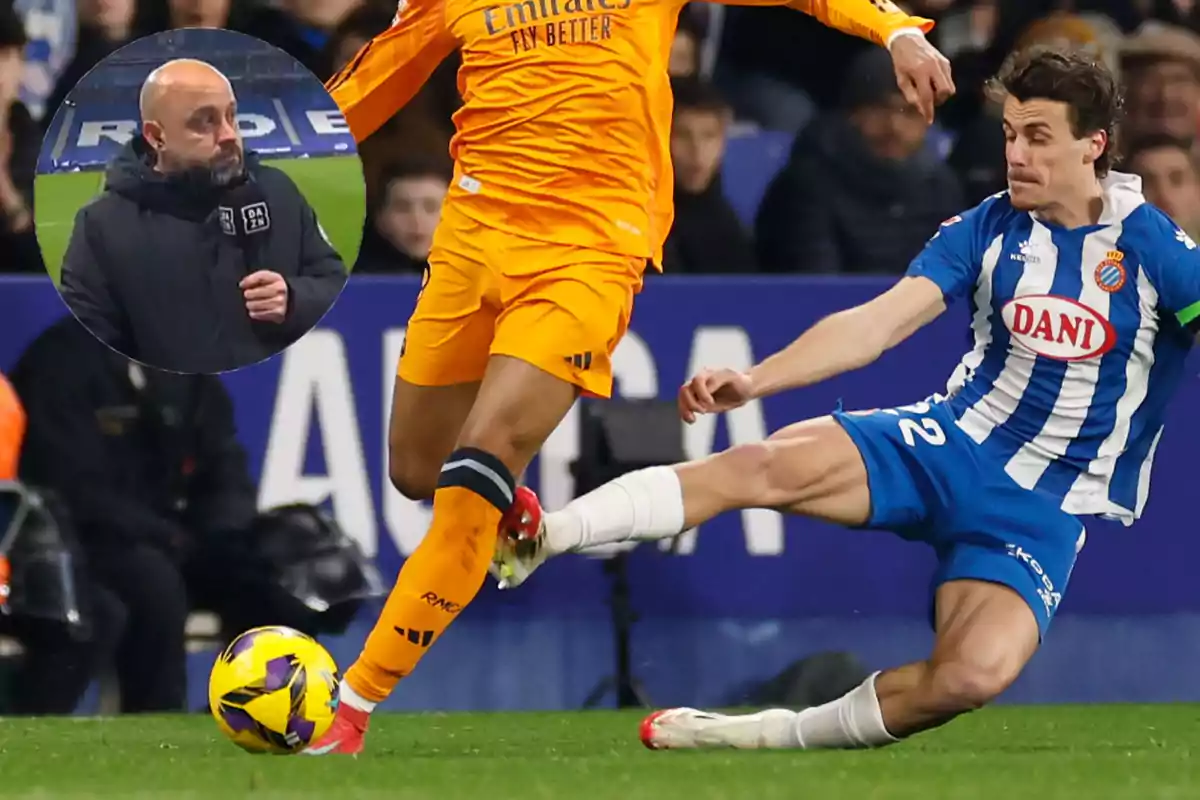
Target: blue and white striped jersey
point(1080, 340)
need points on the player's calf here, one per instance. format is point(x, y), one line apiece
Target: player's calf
point(811, 468)
point(424, 426)
point(413, 476)
point(986, 633)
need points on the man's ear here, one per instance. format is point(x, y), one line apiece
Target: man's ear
point(153, 134)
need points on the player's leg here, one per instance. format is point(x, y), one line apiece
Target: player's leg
point(986, 634)
point(529, 384)
point(424, 425)
point(1005, 557)
point(443, 361)
point(517, 407)
point(811, 468)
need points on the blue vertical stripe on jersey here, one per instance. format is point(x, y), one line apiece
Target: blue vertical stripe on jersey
point(1004, 286)
point(1039, 397)
point(1170, 355)
point(1125, 316)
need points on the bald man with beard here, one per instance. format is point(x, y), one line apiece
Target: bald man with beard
point(196, 257)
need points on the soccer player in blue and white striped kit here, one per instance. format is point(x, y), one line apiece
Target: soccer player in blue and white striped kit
point(1085, 302)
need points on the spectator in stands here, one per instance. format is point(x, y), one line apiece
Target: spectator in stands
point(199, 13)
point(299, 29)
point(104, 26)
point(775, 65)
point(1170, 178)
point(707, 236)
point(311, 25)
point(51, 26)
point(685, 49)
point(20, 139)
point(399, 230)
point(150, 467)
point(355, 29)
point(860, 192)
point(1161, 66)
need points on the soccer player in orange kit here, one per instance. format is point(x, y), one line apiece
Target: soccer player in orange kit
point(561, 195)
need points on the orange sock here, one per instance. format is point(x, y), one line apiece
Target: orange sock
point(442, 575)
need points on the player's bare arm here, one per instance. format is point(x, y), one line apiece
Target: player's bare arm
point(841, 342)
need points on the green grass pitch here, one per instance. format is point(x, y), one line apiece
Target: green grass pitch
point(332, 184)
point(1007, 753)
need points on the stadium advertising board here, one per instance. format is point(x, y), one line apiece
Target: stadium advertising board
point(314, 421)
point(751, 591)
point(282, 123)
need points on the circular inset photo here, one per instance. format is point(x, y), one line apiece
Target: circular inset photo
point(199, 200)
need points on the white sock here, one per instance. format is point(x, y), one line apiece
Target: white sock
point(643, 505)
point(354, 699)
point(853, 720)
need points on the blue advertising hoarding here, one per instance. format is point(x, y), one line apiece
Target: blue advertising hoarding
point(749, 591)
point(287, 121)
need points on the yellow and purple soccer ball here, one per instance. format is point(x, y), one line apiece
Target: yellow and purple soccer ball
point(273, 690)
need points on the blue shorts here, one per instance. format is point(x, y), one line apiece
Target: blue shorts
point(929, 482)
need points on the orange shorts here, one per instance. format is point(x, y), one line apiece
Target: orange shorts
point(559, 307)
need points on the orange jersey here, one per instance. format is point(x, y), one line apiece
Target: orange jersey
point(564, 132)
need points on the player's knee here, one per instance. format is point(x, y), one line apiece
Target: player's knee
point(414, 477)
point(960, 686)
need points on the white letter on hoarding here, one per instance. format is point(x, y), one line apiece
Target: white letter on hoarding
point(328, 123)
point(314, 376)
point(253, 126)
point(730, 347)
point(119, 131)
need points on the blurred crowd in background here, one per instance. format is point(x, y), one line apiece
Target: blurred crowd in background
point(866, 181)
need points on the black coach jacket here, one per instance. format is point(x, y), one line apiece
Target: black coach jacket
point(153, 265)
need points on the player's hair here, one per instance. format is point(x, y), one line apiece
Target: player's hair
point(1160, 141)
point(1084, 83)
point(697, 94)
point(12, 28)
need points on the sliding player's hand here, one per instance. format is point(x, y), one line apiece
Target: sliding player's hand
point(713, 391)
point(922, 73)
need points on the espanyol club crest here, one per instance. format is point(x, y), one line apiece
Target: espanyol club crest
point(1110, 273)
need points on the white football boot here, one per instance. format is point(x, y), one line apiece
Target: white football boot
point(690, 729)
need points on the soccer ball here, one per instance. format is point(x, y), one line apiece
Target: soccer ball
point(273, 690)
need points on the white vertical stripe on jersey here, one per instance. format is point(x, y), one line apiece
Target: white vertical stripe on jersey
point(1079, 381)
point(1143, 488)
point(981, 323)
point(995, 407)
point(1092, 486)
